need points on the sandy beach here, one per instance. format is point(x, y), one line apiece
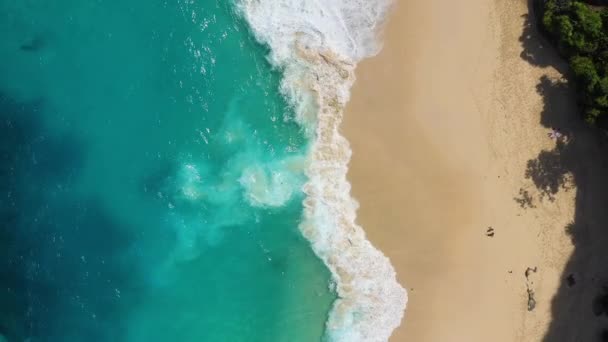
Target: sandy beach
point(449, 143)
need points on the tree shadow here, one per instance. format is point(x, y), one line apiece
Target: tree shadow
point(582, 163)
point(580, 307)
point(525, 199)
point(537, 50)
point(548, 173)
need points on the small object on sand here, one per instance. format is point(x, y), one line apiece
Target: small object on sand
point(510, 271)
point(490, 232)
point(555, 134)
point(529, 290)
point(530, 270)
point(570, 281)
point(531, 300)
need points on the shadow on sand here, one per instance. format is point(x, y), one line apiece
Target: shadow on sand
point(580, 307)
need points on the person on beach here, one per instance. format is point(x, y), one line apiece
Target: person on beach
point(555, 134)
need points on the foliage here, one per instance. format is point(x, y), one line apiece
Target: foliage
point(580, 32)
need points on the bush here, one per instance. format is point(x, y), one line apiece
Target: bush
point(585, 72)
point(581, 35)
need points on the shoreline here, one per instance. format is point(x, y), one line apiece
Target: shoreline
point(443, 124)
point(317, 51)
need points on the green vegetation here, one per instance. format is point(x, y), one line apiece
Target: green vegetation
point(580, 32)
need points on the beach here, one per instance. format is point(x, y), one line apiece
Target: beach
point(446, 128)
point(263, 170)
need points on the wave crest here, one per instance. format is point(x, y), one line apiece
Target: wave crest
point(317, 46)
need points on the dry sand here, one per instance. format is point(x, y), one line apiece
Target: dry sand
point(442, 125)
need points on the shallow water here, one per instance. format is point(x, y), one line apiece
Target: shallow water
point(150, 177)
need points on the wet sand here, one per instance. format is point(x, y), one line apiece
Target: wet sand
point(442, 124)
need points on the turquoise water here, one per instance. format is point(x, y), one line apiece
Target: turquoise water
point(150, 177)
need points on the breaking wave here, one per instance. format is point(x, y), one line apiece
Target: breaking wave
point(317, 44)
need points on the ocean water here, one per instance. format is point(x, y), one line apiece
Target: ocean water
point(317, 46)
point(151, 177)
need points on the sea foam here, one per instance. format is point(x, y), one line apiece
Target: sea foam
point(317, 44)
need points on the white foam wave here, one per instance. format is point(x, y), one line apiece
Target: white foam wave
point(271, 184)
point(317, 43)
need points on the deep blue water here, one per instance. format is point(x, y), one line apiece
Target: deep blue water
point(149, 179)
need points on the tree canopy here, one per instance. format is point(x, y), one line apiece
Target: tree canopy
point(580, 33)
